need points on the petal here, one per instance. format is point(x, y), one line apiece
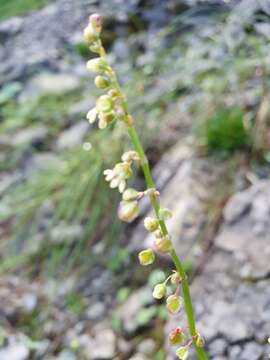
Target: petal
point(114, 183)
point(122, 186)
point(91, 115)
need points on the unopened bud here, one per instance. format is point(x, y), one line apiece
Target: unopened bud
point(174, 303)
point(175, 278)
point(104, 104)
point(163, 244)
point(159, 291)
point(96, 22)
point(182, 353)
point(89, 34)
point(128, 211)
point(106, 118)
point(199, 341)
point(130, 194)
point(102, 82)
point(177, 336)
point(97, 65)
point(164, 214)
point(146, 257)
point(130, 155)
point(151, 224)
point(114, 93)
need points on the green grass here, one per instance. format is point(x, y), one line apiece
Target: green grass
point(225, 131)
point(9, 8)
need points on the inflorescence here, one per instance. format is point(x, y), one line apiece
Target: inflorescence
point(111, 107)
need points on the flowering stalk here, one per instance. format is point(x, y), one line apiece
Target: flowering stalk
point(113, 107)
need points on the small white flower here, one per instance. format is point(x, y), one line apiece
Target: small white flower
point(118, 176)
point(92, 115)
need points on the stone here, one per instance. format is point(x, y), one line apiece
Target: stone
point(47, 83)
point(95, 311)
point(247, 235)
point(65, 233)
point(102, 345)
point(72, 136)
point(16, 351)
point(147, 346)
point(31, 135)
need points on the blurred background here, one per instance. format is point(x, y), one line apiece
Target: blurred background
point(196, 74)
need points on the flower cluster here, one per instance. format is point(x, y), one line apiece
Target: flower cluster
point(111, 106)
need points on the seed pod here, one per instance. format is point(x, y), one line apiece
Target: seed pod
point(146, 257)
point(182, 353)
point(151, 224)
point(102, 82)
point(97, 65)
point(163, 244)
point(128, 211)
point(174, 303)
point(199, 341)
point(130, 194)
point(159, 291)
point(176, 336)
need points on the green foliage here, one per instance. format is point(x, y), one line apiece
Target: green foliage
point(75, 303)
point(9, 8)
point(225, 131)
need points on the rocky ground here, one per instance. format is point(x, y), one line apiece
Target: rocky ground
point(220, 227)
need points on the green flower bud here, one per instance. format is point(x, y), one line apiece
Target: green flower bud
point(175, 278)
point(95, 21)
point(105, 119)
point(146, 257)
point(151, 224)
point(130, 194)
point(163, 245)
point(102, 82)
point(97, 65)
point(164, 214)
point(159, 291)
point(177, 336)
point(89, 34)
point(174, 303)
point(182, 353)
point(199, 341)
point(128, 211)
point(104, 104)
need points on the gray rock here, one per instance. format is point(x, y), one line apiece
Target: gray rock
point(147, 346)
point(65, 233)
point(217, 347)
point(16, 351)
point(50, 84)
point(251, 351)
point(248, 235)
point(29, 136)
point(73, 136)
point(95, 311)
point(102, 345)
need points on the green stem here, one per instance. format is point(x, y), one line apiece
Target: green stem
point(201, 355)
